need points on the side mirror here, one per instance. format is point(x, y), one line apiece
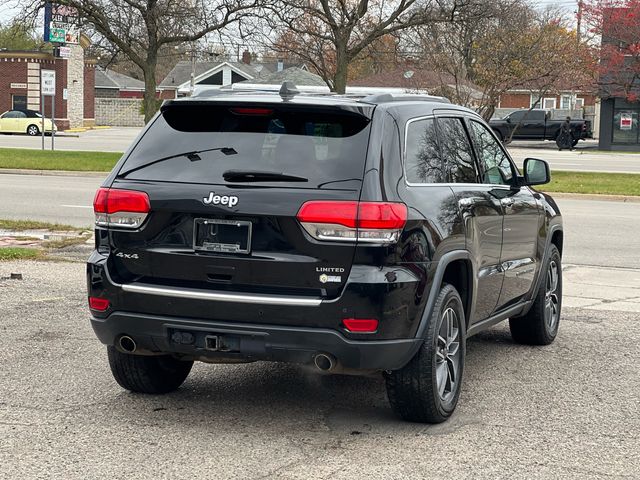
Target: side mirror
point(508, 119)
point(536, 172)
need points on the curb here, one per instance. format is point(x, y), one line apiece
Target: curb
point(52, 173)
point(594, 196)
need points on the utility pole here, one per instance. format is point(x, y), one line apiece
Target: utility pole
point(192, 84)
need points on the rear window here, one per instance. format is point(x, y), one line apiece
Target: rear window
point(326, 146)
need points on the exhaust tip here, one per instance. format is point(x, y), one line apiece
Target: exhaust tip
point(127, 344)
point(324, 362)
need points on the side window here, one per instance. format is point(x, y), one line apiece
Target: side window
point(497, 169)
point(517, 116)
point(422, 156)
point(455, 148)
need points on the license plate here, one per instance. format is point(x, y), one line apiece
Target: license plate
point(226, 236)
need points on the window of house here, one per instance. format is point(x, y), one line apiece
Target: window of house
point(579, 103)
point(534, 101)
point(549, 103)
point(565, 102)
point(19, 102)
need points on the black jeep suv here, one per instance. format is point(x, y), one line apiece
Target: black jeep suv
point(351, 234)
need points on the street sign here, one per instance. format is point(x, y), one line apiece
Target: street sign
point(63, 52)
point(61, 24)
point(48, 82)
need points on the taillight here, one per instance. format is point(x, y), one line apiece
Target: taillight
point(120, 208)
point(373, 222)
point(360, 325)
point(99, 304)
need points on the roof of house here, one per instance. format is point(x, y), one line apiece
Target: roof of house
point(410, 78)
point(181, 73)
point(106, 78)
point(296, 75)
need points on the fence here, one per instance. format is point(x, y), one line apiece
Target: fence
point(119, 112)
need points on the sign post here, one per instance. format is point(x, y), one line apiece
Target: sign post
point(48, 89)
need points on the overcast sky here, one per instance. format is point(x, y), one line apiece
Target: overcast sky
point(9, 9)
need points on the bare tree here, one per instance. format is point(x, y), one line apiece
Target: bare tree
point(502, 45)
point(329, 35)
point(140, 29)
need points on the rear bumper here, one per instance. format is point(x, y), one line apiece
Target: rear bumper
point(267, 326)
point(182, 336)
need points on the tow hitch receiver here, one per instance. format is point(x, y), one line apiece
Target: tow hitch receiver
point(211, 342)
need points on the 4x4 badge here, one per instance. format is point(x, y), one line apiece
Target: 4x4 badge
point(213, 199)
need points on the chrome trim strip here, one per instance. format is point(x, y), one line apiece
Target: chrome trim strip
point(222, 297)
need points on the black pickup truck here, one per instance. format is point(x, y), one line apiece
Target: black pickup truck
point(536, 125)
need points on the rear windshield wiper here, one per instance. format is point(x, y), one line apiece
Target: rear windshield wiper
point(260, 176)
point(192, 155)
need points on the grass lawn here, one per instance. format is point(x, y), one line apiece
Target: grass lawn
point(20, 225)
point(19, 253)
point(593, 183)
point(567, 182)
point(57, 160)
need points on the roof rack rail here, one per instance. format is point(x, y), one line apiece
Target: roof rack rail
point(410, 97)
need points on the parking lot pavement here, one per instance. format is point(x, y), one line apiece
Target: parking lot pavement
point(569, 410)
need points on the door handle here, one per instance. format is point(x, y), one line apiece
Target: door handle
point(508, 201)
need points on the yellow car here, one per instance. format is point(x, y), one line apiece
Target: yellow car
point(24, 121)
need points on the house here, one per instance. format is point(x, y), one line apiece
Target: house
point(111, 84)
point(300, 77)
point(410, 77)
point(220, 72)
point(561, 99)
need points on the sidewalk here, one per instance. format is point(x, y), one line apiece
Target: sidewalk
point(601, 288)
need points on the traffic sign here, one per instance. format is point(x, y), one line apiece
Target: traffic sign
point(48, 82)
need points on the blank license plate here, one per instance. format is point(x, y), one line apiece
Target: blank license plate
point(227, 236)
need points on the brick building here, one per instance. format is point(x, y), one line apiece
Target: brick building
point(562, 100)
point(75, 80)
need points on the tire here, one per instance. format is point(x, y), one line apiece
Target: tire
point(539, 326)
point(147, 374)
point(418, 392)
point(33, 130)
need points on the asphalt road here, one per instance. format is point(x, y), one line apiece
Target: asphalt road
point(592, 227)
point(102, 140)
point(584, 158)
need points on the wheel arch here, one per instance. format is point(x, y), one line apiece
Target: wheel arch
point(557, 238)
point(456, 268)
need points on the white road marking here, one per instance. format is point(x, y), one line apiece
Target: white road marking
point(76, 206)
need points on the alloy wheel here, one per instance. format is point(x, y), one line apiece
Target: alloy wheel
point(448, 354)
point(551, 300)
